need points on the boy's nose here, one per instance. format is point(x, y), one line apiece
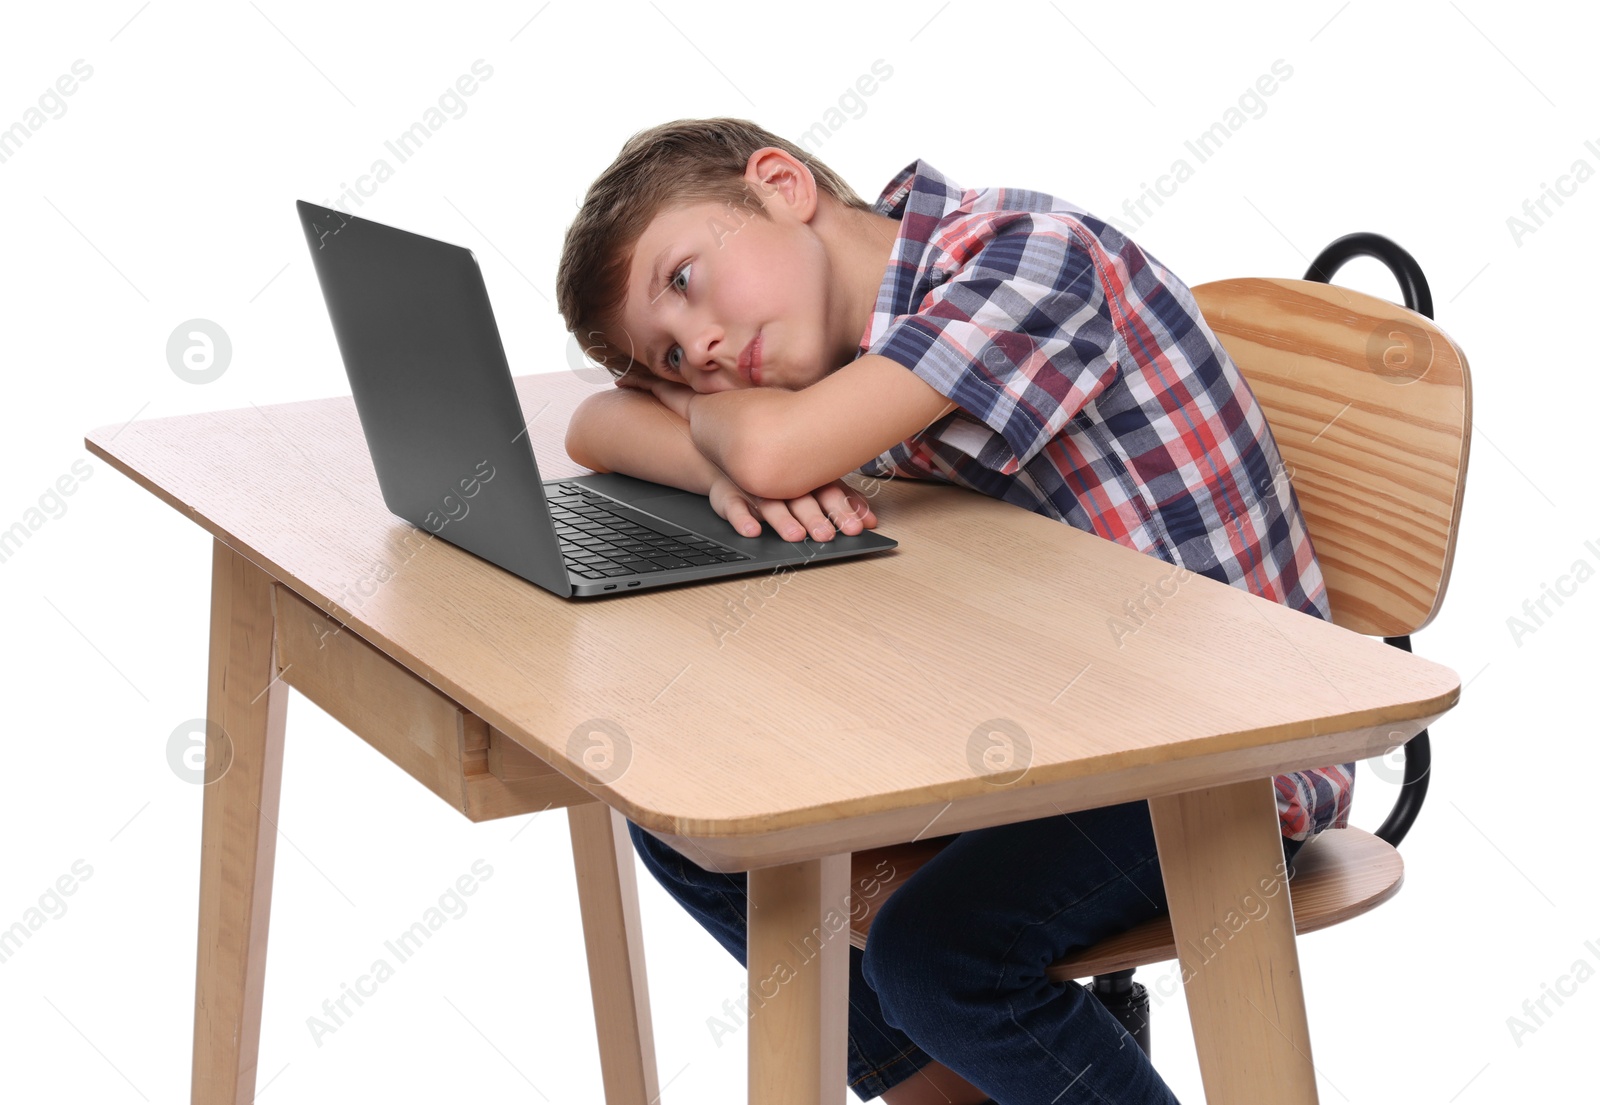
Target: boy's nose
point(708, 352)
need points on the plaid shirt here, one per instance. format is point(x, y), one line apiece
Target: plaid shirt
point(1091, 390)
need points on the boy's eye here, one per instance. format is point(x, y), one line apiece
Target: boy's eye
point(672, 282)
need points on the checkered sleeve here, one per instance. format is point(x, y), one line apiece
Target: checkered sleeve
point(1017, 329)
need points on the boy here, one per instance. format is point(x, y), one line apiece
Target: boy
point(772, 332)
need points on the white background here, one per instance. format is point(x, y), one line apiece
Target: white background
point(165, 193)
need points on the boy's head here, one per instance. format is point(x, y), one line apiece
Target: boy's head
point(698, 235)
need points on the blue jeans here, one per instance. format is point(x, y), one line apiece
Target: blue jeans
point(955, 969)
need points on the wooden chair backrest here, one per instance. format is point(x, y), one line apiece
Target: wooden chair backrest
point(1371, 407)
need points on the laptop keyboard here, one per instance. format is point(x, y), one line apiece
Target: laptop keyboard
point(598, 542)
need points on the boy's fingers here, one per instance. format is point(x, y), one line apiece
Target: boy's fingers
point(862, 509)
point(782, 516)
point(821, 514)
point(740, 518)
point(846, 518)
point(735, 510)
point(776, 515)
point(849, 512)
point(810, 514)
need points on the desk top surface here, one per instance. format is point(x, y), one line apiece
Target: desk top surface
point(980, 653)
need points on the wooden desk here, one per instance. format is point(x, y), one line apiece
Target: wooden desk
point(773, 724)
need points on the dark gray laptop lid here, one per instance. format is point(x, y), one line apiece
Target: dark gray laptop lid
point(433, 390)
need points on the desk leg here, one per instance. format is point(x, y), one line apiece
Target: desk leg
point(799, 982)
point(1241, 973)
point(608, 897)
point(239, 830)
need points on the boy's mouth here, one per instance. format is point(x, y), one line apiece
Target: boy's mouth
point(750, 359)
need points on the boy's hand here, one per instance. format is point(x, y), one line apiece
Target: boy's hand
point(791, 519)
point(675, 397)
point(640, 381)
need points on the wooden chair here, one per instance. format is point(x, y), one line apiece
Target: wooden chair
point(1370, 404)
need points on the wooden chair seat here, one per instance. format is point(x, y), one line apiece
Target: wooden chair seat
point(1339, 874)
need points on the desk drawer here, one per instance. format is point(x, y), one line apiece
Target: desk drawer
point(448, 749)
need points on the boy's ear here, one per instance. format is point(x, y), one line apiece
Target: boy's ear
point(777, 177)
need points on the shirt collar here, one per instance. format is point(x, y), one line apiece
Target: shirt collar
point(921, 197)
point(915, 182)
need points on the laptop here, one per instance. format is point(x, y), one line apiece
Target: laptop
point(434, 394)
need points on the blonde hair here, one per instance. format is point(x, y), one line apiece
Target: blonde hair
point(683, 162)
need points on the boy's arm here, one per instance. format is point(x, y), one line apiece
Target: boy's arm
point(627, 430)
point(781, 443)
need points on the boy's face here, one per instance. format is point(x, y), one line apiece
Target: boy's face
point(707, 280)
